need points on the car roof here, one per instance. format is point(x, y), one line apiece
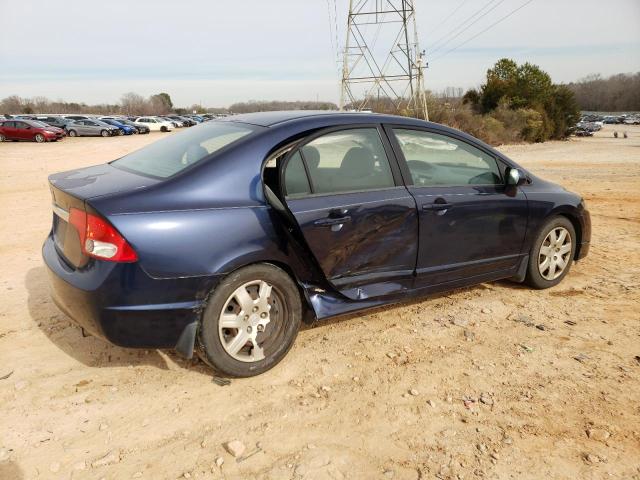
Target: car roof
point(268, 119)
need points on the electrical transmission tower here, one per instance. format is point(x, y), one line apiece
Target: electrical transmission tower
point(382, 61)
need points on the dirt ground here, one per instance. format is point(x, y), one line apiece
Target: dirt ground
point(495, 381)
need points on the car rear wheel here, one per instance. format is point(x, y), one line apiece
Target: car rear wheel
point(552, 253)
point(251, 321)
point(39, 138)
point(2, 138)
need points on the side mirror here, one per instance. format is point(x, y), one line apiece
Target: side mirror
point(515, 177)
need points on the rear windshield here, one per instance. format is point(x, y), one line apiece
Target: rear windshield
point(170, 155)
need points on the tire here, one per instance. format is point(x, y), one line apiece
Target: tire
point(120, 133)
point(73, 133)
point(272, 324)
point(550, 253)
point(38, 137)
point(104, 133)
point(2, 138)
point(163, 129)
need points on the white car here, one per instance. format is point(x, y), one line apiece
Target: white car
point(155, 123)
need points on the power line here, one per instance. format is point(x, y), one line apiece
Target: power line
point(333, 47)
point(482, 31)
point(449, 16)
point(462, 24)
point(467, 27)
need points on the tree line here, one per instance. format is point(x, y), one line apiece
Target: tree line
point(130, 104)
point(617, 93)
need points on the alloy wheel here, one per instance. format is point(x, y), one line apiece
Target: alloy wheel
point(555, 253)
point(39, 138)
point(251, 320)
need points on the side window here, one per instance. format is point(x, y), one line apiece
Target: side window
point(439, 160)
point(21, 125)
point(295, 177)
point(348, 160)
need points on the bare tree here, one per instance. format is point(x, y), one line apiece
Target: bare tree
point(133, 104)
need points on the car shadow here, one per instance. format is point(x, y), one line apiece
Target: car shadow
point(88, 350)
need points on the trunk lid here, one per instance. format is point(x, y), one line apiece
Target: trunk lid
point(74, 189)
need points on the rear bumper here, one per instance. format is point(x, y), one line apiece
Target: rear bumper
point(120, 303)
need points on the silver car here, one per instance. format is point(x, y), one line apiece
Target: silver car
point(91, 128)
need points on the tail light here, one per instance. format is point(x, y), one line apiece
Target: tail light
point(99, 239)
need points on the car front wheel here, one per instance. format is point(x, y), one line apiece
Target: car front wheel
point(251, 321)
point(39, 138)
point(552, 253)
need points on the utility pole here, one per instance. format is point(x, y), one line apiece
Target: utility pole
point(382, 59)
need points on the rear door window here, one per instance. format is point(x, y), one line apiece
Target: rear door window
point(295, 178)
point(345, 161)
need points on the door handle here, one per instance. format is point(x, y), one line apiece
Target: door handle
point(436, 206)
point(330, 221)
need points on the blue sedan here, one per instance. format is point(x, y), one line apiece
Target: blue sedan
point(220, 240)
point(123, 128)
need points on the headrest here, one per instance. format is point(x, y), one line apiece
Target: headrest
point(357, 162)
point(312, 156)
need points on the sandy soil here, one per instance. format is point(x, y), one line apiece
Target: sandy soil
point(495, 381)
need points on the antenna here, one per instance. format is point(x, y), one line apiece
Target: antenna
point(394, 71)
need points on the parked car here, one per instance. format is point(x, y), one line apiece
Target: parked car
point(122, 128)
point(58, 122)
point(91, 128)
point(583, 132)
point(175, 123)
point(77, 117)
point(31, 130)
point(154, 123)
point(186, 122)
point(138, 127)
point(223, 237)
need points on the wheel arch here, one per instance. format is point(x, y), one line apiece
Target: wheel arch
point(309, 314)
point(577, 226)
point(570, 213)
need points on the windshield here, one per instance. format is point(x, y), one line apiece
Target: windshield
point(170, 155)
point(39, 124)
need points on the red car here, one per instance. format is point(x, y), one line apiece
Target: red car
point(29, 130)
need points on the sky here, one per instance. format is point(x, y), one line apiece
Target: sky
point(217, 52)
